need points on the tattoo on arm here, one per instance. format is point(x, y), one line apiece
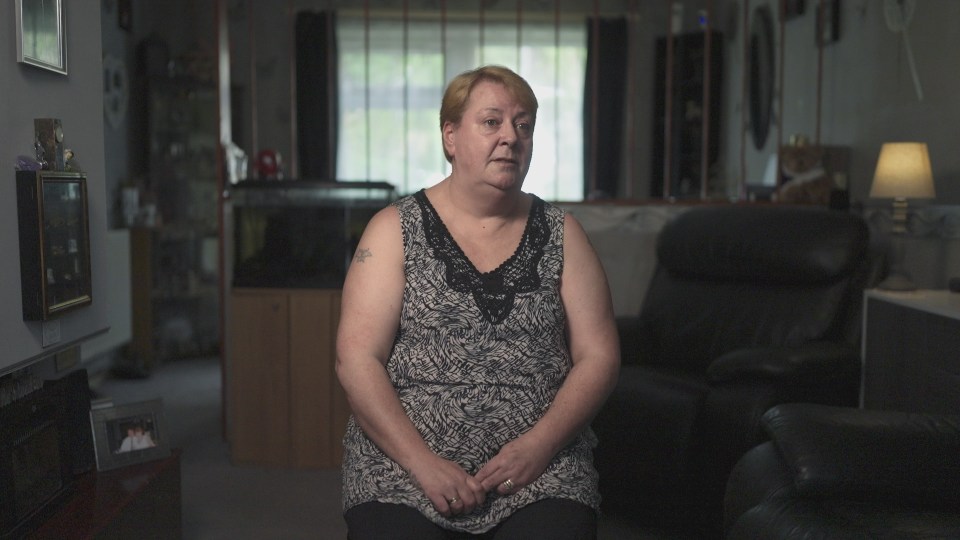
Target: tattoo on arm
point(362, 254)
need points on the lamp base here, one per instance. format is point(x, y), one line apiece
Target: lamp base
point(897, 282)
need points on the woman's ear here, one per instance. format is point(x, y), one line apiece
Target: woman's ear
point(449, 138)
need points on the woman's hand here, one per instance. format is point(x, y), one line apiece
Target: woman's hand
point(518, 463)
point(451, 490)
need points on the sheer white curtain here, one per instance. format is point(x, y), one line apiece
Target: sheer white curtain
point(392, 76)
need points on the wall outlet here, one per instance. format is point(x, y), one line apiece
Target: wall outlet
point(51, 333)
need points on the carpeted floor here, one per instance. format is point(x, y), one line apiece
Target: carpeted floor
point(222, 501)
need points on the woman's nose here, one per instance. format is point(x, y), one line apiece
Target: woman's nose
point(508, 133)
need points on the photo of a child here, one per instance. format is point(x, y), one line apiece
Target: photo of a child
point(134, 433)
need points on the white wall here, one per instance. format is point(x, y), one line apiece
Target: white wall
point(28, 92)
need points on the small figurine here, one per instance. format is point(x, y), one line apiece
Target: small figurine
point(68, 162)
point(269, 165)
point(26, 163)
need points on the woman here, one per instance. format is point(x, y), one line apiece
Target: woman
point(476, 342)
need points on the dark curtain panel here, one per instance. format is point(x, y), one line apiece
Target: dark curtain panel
point(603, 112)
point(317, 95)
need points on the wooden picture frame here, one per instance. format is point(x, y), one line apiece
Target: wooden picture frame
point(128, 434)
point(41, 39)
point(54, 243)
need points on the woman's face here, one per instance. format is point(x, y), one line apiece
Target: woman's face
point(493, 142)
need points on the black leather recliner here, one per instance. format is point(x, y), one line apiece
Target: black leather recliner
point(749, 306)
point(842, 473)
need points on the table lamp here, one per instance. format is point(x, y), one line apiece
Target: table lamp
point(903, 172)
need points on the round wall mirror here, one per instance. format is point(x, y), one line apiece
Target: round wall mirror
point(761, 74)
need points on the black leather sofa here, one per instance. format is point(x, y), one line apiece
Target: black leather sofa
point(749, 306)
point(844, 473)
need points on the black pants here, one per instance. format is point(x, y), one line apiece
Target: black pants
point(551, 519)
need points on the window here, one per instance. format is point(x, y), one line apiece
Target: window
point(392, 76)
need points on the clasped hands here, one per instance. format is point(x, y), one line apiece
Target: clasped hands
point(453, 491)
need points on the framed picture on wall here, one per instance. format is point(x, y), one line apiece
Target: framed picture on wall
point(41, 40)
point(54, 243)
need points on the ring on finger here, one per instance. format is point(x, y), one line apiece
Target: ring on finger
point(453, 500)
point(508, 484)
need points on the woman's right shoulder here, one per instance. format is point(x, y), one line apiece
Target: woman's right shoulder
point(389, 214)
point(385, 224)
point(396, 213)
point(390, 223)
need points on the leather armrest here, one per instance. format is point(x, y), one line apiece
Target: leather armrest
point(759, 475)
point(843, 452)
point(812, 361)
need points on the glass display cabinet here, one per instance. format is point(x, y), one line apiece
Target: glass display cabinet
point(54, 243)
point(299, 234)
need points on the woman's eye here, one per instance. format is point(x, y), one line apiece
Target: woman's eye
point(525, 127)
point(491, 122)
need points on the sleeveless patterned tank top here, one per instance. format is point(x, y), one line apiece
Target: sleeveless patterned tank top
point(477, 360)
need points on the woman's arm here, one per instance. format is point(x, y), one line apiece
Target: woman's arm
point(594, 349)
point(369, 318)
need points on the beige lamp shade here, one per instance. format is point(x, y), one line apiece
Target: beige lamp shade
point(903, 172)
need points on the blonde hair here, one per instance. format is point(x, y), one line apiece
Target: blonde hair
point(458, 92)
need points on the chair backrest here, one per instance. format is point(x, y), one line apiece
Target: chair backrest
point(734, 276)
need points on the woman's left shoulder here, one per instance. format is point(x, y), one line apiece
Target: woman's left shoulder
point(564, 221)
point(572, 226)
point(551, 210)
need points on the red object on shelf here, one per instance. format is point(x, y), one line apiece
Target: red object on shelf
point(269, 165)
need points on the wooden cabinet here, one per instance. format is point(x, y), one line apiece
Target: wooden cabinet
point(285, 406)
point(289, 247)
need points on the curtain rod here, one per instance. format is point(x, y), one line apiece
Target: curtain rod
point(566, 16)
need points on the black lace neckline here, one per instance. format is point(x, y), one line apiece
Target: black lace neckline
point(495, 291)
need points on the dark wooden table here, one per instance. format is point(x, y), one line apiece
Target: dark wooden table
point(139, 501)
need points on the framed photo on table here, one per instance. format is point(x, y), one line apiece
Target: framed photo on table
point(54, 243)
point(128, 434)
point(41, 40)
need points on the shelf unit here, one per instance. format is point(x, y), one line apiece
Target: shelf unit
point(685, 101)
point(174, 260)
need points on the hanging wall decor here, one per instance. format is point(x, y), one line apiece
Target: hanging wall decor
point(762, 68)
point(41, 40)
point(54, 243)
